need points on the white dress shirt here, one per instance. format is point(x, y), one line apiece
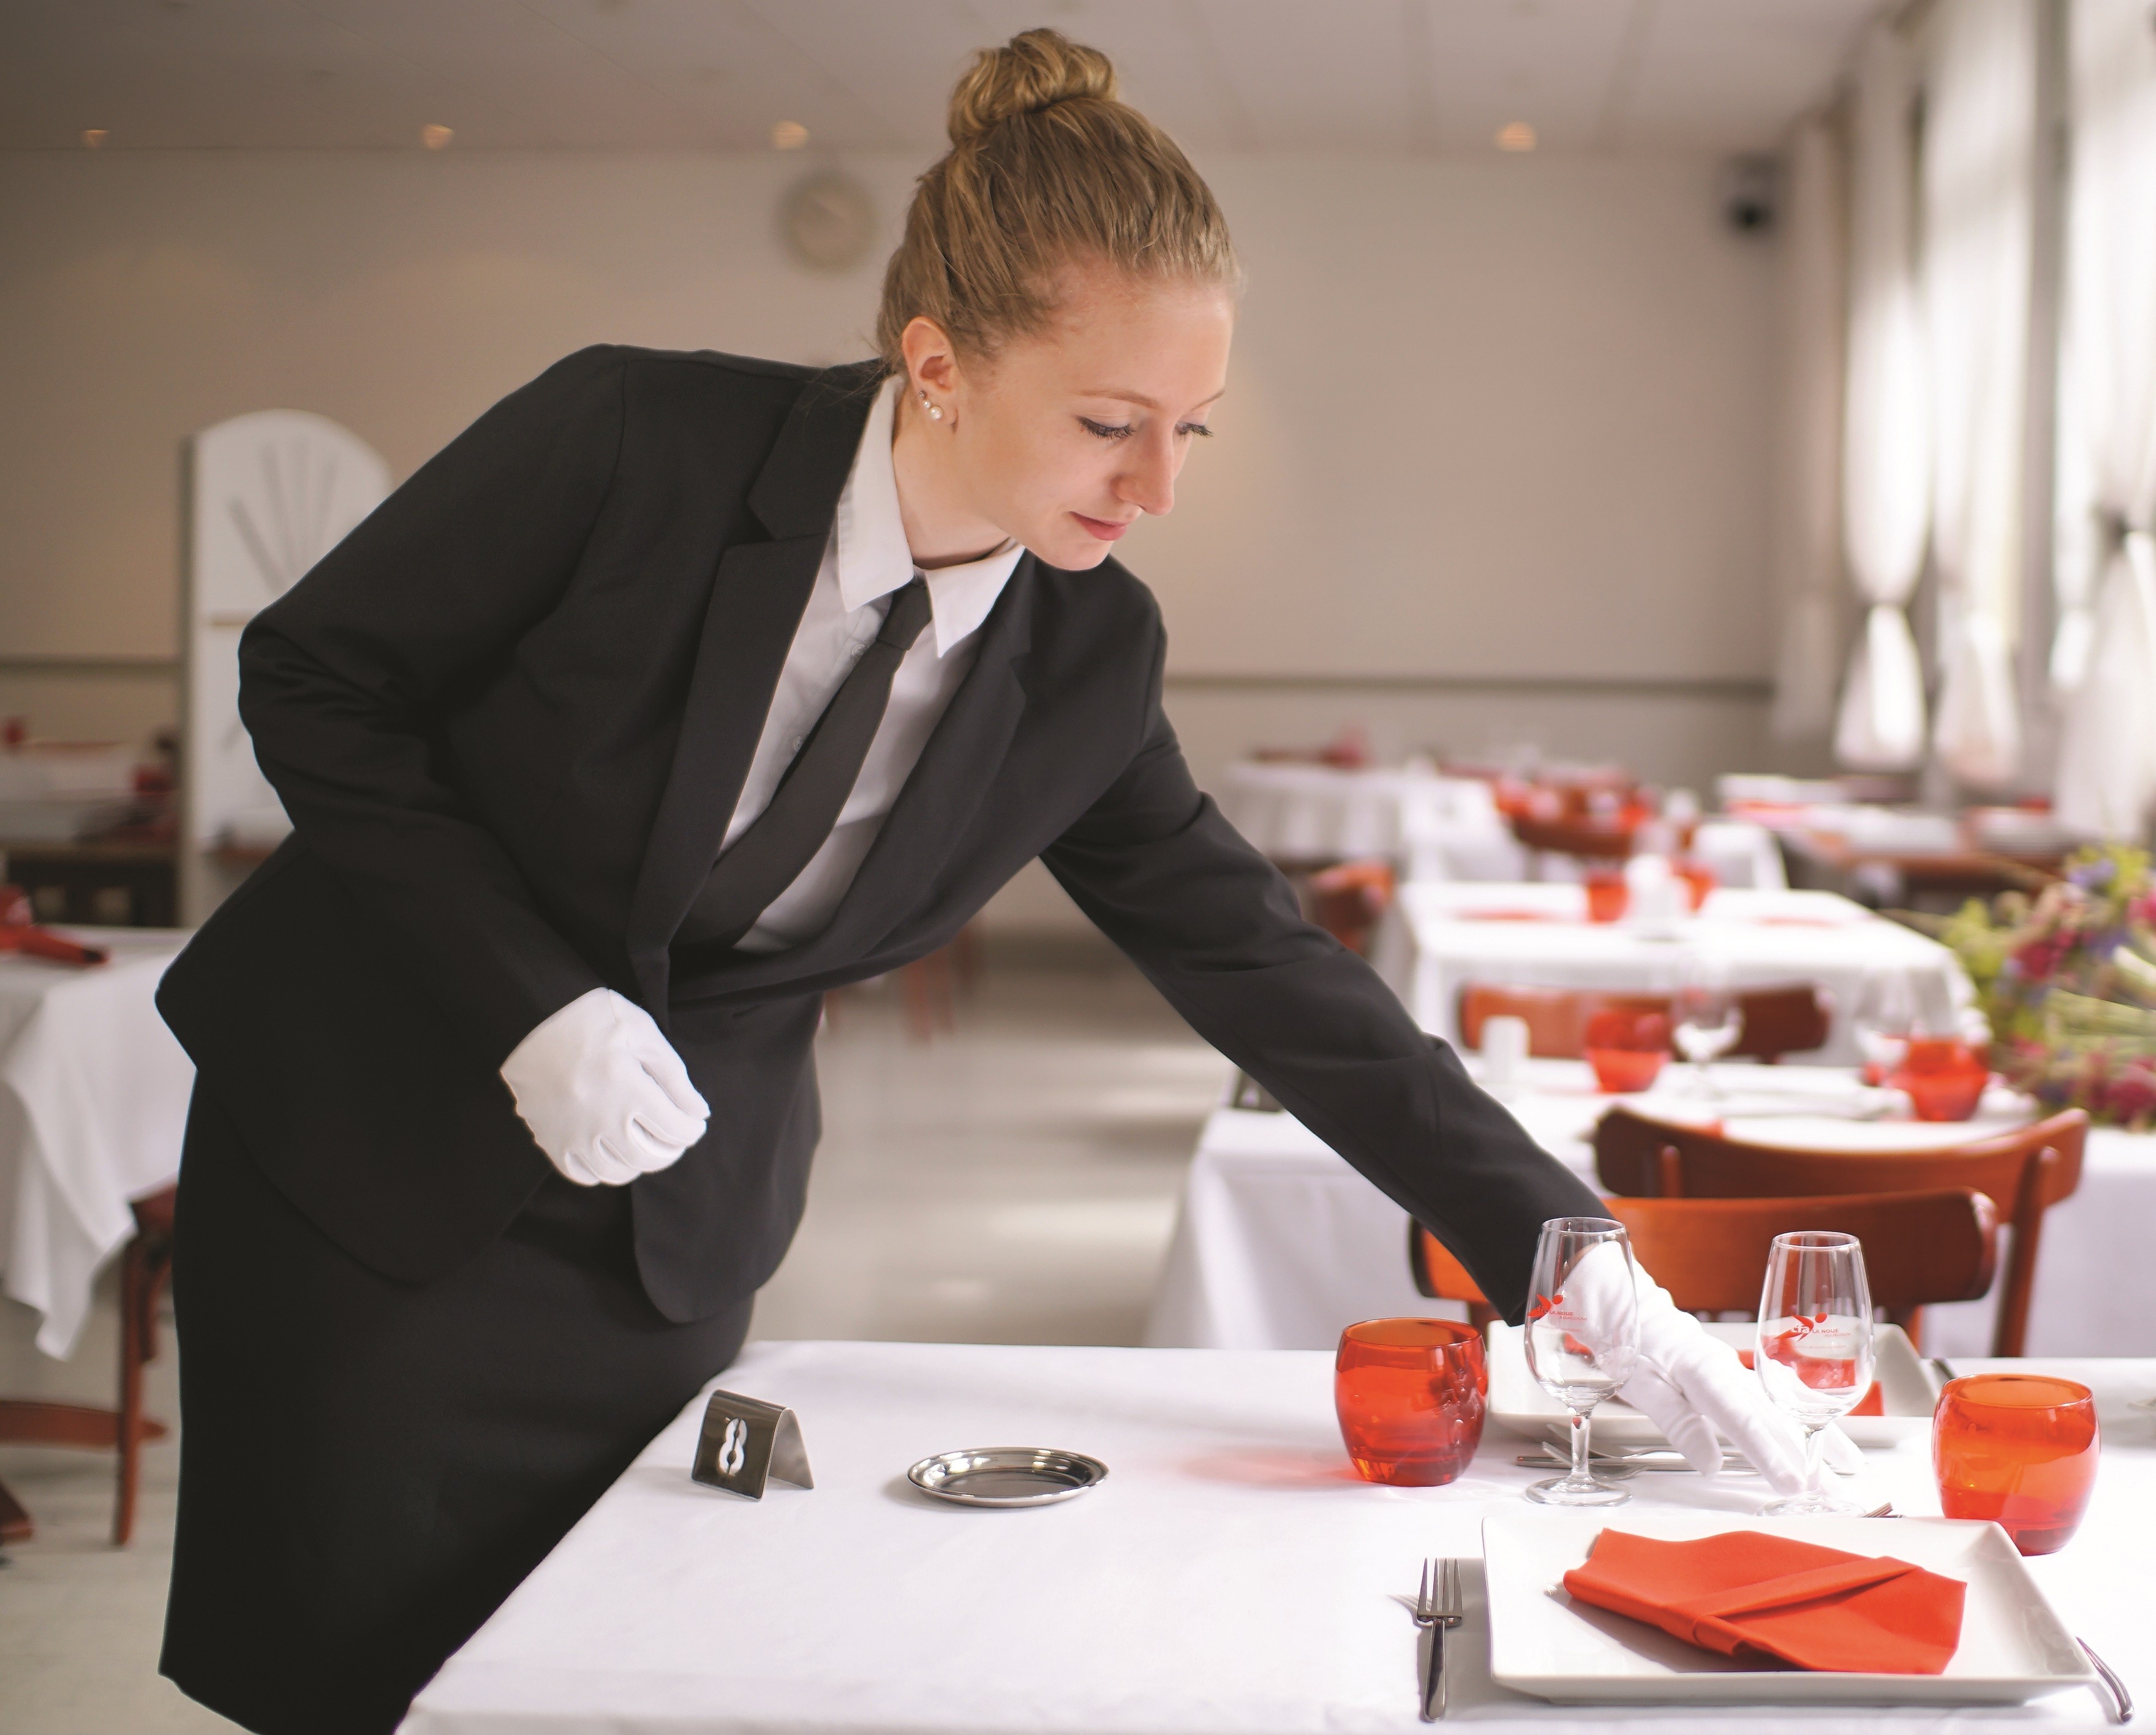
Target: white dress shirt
point(866, 559)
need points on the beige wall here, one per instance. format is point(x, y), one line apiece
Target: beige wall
point(1489, 418)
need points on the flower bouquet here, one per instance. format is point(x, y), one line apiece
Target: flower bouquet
point(2067, 979)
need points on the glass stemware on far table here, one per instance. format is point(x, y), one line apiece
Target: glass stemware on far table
point(1706, 1016)
point(1814, 1354)
point(1885, 1015)
point(1582, 1338)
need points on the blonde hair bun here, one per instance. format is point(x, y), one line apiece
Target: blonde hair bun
point(1045, 167)
point(1034, 70)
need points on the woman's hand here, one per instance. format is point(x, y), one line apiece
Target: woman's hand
point(1691, 1385)
point(604, 1092)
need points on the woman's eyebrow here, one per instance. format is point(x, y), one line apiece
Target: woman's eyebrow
point(1145, 403)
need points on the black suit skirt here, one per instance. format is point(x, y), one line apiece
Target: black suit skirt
point(367, 1467)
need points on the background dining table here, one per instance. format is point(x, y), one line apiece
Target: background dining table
point(1447, 936)
point(1230, 1576)
point(93, 1105)
point(1279, 1243)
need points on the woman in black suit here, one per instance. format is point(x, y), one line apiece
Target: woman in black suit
point(676, 691)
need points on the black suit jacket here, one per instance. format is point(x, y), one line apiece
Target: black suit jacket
point(510, 715)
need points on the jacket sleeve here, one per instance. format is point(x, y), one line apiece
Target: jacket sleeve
point(1216, 929)
point(344, 680)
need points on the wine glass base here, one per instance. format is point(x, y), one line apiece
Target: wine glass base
point(1811, 1506)
point(1563, 1491)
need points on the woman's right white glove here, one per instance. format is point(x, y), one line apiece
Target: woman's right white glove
point(604, 1092)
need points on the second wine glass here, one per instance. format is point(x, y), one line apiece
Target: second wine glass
point(1814, 1354)
point(1707, 1018)
point(1582, 1337)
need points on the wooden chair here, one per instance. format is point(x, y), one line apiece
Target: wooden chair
point(1920, 1247)
point(1347, 900)
point(1588, 840)
point(145, 1267)
point(2031, 1169)
point(1772, 1021)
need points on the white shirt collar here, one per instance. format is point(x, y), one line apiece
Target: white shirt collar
point(874, 559)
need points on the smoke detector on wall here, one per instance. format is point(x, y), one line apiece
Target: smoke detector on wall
point(1748, 191)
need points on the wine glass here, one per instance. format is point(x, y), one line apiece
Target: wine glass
point(1707, 1018)
point(1582, 1337)
point(1814, 1347)
point(1885, 1014)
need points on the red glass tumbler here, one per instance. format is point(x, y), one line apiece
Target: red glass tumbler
point(1411, 1394)
point(2021, 1448)
point(1607, 895)
point(1626, 1048)
point(1944, 1078)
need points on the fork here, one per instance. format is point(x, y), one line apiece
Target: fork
point(1437, 1606)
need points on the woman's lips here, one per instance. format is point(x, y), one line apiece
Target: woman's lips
point(1105, 529)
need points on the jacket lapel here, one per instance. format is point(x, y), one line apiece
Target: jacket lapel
point(935, 806)
point(757, 597)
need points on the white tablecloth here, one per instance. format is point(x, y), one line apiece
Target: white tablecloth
point(1230, 1575)
point(1433, 826)
point(1280, 1242)
point(93, 1103)
point(1764, 938)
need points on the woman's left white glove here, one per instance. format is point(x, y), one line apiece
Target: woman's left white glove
point(1692, 1387)
point(604, 1092)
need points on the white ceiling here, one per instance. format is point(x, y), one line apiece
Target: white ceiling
point(1384, 75)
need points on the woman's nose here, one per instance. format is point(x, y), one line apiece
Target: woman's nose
point(1149, 484)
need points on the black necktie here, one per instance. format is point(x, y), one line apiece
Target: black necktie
point(769, 855)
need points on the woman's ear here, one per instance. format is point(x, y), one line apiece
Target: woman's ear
point(931, 361)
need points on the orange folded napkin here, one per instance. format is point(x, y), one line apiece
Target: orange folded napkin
point(1751, 1591)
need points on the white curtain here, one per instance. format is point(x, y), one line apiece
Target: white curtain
point(1979, 160)
point(1886, 441)
point(2103, 658)
point(1807, 526)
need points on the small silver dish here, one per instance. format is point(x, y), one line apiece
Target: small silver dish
point(1006, 1476)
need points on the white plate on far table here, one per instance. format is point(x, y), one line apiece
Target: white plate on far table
point(1908, 1392)
point(2013, 1647)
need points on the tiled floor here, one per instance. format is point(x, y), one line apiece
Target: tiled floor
point(1013, 1183)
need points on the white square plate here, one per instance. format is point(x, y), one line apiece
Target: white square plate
point(2013, 1645)
point(1907, 1392)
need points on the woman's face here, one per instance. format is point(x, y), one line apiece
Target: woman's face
point(1064, 436)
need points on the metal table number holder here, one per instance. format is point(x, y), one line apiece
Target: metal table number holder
point(747, 1443)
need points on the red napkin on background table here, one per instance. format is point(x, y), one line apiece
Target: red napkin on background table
point(1747, 1591)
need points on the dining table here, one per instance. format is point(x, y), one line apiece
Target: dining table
point(1279, 1242)
point(1448, 935)
point(1230, 1575)
point(93, 1095)
point(1303, 814)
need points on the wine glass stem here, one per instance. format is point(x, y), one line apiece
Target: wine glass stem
point(1814, 1447)
point(1580, 1473)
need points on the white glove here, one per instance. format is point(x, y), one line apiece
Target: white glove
point(1691, 1384)
point(603, 1093)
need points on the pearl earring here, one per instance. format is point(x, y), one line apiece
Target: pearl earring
point(935, 412)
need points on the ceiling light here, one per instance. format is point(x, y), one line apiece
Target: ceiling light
point(436, 138)
point(93, 136)
point(1516, 136)
point(788, 135)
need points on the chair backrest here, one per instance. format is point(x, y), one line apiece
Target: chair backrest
point(1937, 1245)
point(1566, 836)
point(1941, 1244)
point(1772, 1021)
point(1347, 900)
point(2028, 1171)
